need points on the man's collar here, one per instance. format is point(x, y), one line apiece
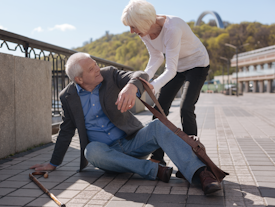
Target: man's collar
point(80, 89)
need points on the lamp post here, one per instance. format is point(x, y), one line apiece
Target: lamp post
point(237, 70)
point(228, 63)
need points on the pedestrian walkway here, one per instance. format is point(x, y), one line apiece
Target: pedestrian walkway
point(239, 135)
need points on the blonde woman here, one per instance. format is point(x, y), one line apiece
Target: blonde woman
point(187, 61)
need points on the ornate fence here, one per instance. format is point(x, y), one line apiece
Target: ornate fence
point(31, 48)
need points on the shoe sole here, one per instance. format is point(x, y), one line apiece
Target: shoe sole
point(212, 189)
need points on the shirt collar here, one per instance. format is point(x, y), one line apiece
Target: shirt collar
point(80, 90)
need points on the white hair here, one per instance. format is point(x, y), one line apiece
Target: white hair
point(140, 14)
point(73, 68)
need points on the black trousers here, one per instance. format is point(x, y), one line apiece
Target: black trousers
point(192, 81)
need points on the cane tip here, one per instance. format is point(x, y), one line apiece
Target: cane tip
point(46, 175)
point(63, 205)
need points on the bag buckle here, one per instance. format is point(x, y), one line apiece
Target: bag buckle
point(200, 146)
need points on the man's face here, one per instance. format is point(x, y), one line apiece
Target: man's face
point(91, 75)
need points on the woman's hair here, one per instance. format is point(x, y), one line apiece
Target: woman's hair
point(73, 68)
point(140, 14)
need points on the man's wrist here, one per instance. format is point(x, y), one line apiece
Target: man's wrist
point(133, 87)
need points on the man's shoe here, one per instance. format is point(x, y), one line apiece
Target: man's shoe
point(164, 173)
point(208, 182)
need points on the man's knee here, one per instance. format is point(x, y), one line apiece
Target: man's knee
point(95, 151)
point(156, 123)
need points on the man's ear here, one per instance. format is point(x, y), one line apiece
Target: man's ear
point(78, 80)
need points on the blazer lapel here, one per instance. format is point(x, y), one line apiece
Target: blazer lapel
point(76, 108)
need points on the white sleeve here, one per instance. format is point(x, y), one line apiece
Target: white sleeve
point(155, 60)
point(172, 40)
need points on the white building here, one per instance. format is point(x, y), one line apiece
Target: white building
point(256, 69)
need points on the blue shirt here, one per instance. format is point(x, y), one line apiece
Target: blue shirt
point(98, 125)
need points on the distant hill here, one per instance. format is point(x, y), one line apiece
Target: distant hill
point(128, 49)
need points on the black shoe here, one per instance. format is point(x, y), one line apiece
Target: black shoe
point(208, 182)
point(164, 173)
point(180, 175)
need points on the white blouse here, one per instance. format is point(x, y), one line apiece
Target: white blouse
point(182, 48)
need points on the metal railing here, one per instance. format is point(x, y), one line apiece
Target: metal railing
point(57, 55)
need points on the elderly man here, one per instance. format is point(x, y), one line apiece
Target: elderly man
point(96, 103)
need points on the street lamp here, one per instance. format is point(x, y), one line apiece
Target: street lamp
point(228, 64)
point(237, 70)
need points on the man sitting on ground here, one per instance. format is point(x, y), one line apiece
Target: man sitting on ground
point(97, 104)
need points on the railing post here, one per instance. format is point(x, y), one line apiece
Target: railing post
point(26, 47)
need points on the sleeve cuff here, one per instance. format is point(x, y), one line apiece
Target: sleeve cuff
point(53, 165)
point(138, 94)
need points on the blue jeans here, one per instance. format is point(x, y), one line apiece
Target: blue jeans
point(122, 155)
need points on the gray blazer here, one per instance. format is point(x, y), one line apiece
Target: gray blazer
point(73, 118)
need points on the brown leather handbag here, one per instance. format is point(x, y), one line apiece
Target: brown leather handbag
point(197, 147)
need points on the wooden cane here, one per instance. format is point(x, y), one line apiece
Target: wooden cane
point(45, 190)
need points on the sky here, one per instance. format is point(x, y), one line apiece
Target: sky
point(70, 23)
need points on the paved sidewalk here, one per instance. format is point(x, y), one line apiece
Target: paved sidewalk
point(239, 134)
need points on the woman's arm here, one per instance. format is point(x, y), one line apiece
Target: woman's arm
point(155, 60)
point(172, 40)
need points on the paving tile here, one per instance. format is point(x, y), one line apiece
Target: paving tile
point(145, 189)
point(208, 200)
point(96, 203)
point(124, 204)
point(128, 189)
point(47, 185)
point(75, 204)
point(80, 200)
point(263, 168)
point(102, 195)
point(179, 190)
point(135, 197)
point(4, 177)
point(19, 177)
point(63, 193)
point(162, 190)
point(74, 179)
point(71, 186)
point(270, 201)
point(268, 192)
point(164, 205)
point(160, 198)
point(10, 172)
point(86, 194)
point(204, 205)
point(266, 184)
point(13, 184)
point(5, 191)
point(21, 201)
point(47, 202)
point(26, 193)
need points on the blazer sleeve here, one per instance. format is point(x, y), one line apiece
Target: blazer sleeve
point(121, 78)
point(66, 132)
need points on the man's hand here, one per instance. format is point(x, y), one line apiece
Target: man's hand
point(43, 167)
point(126, 98)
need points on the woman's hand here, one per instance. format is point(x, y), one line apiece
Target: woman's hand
point(150, 85)
point(126, 98)
point(43, 167)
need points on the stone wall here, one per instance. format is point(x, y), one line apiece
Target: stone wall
point(25, 103)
